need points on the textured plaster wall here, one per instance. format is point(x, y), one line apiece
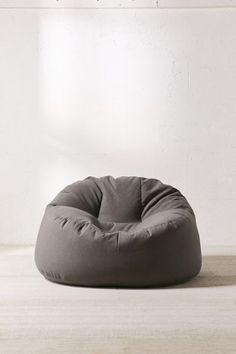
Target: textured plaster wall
point(118, 92)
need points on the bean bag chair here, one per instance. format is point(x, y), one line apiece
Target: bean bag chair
point(119, 232)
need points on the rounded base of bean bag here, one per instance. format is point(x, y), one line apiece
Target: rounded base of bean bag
point(124, 232)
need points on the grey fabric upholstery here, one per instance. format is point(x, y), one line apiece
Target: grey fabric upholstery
point(126, 231)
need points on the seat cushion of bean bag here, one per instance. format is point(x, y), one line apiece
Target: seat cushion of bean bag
point(126, 231)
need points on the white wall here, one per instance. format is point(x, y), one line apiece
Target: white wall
point(119, 92)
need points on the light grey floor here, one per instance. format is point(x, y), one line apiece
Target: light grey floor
point(37, 316)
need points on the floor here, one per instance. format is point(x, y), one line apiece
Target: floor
point(37, 316)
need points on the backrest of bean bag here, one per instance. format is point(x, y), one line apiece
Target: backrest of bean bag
point(85, 195)
point(157, 197)
point(121, 200)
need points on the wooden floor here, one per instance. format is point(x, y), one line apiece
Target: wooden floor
point(37, 316)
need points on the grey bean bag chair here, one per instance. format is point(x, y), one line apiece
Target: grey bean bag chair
point(122, 232)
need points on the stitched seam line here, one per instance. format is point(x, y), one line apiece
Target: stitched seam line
point(101, 198)
point(141, 197)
